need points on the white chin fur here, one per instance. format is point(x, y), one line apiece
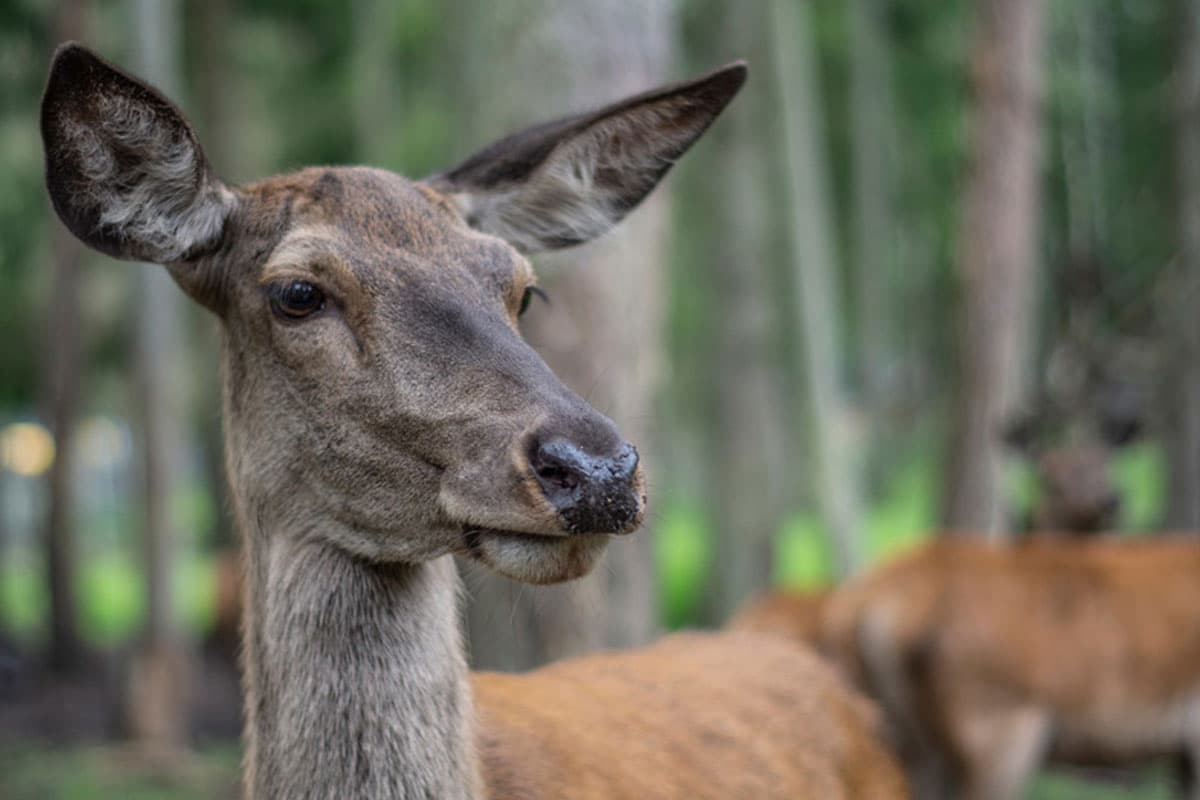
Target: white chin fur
point(540, 559)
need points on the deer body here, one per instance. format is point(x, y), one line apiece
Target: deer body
point(383, 413)
point(798, 615)
point(991, 659)
point(689, 717)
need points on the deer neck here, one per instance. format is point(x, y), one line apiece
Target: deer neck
point(355, 675)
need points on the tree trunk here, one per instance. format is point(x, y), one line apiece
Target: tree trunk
point(747, 459)
point(374, 79)
point(815, 262)
point(1085, 158)
point(1183, 385)
point(602, 332)
point(873, 235)
point(998, 256)
point(215, 100)
point(61, 405)
point(159, 676)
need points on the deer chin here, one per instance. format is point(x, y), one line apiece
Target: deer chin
point(536, 558)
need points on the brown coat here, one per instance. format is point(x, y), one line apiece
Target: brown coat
point(677, 717)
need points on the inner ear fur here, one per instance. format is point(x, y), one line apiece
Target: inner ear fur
point(124, 169)
point(564, 182)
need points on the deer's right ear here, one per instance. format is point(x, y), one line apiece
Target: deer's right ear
point(123, 167)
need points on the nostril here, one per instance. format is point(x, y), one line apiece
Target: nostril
point(558, 465)
point(557, 475)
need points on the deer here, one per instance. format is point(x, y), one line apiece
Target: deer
point(1091, 402)
point(991, 659)
point(382, 414)
point(1071, 450)
point(796, 614)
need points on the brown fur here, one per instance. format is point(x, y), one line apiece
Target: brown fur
point(796, 615)
point(397, 424)
point(999, 657)
point(773, 722)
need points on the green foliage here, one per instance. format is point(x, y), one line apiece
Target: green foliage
point(1140, 477)
point(1150, 784)
point(683, 553)
point(111, 596)
point(23, 206)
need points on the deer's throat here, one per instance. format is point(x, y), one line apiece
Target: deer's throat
point(356, 679)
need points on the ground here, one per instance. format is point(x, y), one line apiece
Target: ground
point(115, 773)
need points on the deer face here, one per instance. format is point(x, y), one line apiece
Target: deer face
point(375, 376)
point(1077, 491)
point(1073, 453)
point(374, 344)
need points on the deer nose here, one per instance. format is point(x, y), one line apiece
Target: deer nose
point(591, 493)
point(1111, 505)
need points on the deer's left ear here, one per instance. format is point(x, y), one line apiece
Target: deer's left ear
point(123, 167)
point(562, 183)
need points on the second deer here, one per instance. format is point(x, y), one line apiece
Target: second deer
point(991, 659)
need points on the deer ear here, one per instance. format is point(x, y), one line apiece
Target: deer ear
point(562, 183)
point(123, 167)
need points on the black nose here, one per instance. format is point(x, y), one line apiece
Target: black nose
point(592, 494)
point(1111, 505)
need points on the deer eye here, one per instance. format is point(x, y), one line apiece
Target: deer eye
point(526, 298)
point(296, 299)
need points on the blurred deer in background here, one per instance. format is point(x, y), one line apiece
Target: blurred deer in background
point(796, 614)
point(991, 659)
point(1093, 401)
point(1072, 454)
point(382, 412)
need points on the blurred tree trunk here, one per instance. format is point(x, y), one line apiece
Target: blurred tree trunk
point(747, 457)
point(998, 256)
point(1078, 54)
point(603, 330)
point(215, 101)
point(61, 404)
point(159, 676)
point(873, 149)
point(374, 78)
point(1183, 384)
point(815, 263)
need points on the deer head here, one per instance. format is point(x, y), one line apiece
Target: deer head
point(1091, 403)
point(375, 375)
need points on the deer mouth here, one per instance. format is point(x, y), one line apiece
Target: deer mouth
point(536, 558)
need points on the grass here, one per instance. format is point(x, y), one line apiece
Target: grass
point(1152, 784)
point(112, 773)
